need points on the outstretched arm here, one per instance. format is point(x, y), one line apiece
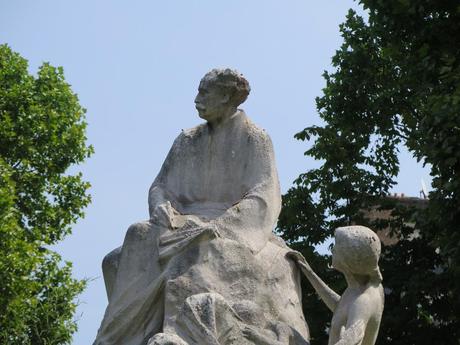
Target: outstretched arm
point(329, 296)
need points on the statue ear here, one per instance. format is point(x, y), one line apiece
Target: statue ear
point(225, 98)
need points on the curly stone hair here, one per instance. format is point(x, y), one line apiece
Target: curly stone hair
point(229, 81)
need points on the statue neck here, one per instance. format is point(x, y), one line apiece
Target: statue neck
point(219, 122)
point(357, 280)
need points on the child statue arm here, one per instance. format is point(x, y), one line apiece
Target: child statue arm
point(329, 296)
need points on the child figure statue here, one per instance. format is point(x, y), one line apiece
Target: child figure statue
point(357, 313)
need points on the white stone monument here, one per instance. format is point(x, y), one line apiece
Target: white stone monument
point(357, 313)
point(206, 267)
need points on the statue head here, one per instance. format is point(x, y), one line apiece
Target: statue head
point(357, 251)
point(220, 92)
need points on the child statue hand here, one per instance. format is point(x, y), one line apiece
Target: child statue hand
point(299, 259)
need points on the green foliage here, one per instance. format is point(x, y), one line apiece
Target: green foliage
point(42, 133)
point(396, 81)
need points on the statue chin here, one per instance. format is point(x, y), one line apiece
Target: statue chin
point(209, 117)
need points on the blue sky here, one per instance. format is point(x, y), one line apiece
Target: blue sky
point(136, 66)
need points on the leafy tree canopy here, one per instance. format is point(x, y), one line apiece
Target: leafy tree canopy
point(395, 81)
point(42, 133)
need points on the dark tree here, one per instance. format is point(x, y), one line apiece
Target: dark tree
point(396, 81)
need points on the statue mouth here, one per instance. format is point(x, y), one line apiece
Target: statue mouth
point(199, 107)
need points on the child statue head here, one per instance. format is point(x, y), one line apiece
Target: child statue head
point(357, 251)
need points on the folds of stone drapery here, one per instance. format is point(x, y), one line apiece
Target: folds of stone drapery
point(136, 304)
point(247, 216)
point(260, 292)
point(263, 289)
point(251, 220)
point(229, 258)
point(207, 318)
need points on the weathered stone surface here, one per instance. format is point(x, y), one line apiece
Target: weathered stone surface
point(206, 267)
point(357, 313)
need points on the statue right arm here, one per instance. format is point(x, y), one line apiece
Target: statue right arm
point(157, 197)
point(329, 296)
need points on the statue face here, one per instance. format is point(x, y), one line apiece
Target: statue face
point(211, 102)
point(338, 257)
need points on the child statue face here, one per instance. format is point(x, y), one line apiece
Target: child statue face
point(338, 256)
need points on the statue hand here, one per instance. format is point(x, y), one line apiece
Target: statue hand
point(249, 333)
point(299, 259)
point(163, 214)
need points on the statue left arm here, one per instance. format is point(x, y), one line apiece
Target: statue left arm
point(251, 220)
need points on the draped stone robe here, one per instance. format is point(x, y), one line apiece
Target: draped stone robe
point(216, 274)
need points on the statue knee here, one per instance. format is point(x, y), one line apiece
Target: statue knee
point(166, 339)
point(138, 231)
point(109, 270)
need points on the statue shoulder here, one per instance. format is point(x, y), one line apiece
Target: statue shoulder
point(193, 132)
point(188, 135)
point(257, 134)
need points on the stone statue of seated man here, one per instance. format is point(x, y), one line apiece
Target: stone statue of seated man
point(206, 267)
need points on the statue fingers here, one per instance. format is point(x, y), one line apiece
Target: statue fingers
point(296, 256)
point(249, 333)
